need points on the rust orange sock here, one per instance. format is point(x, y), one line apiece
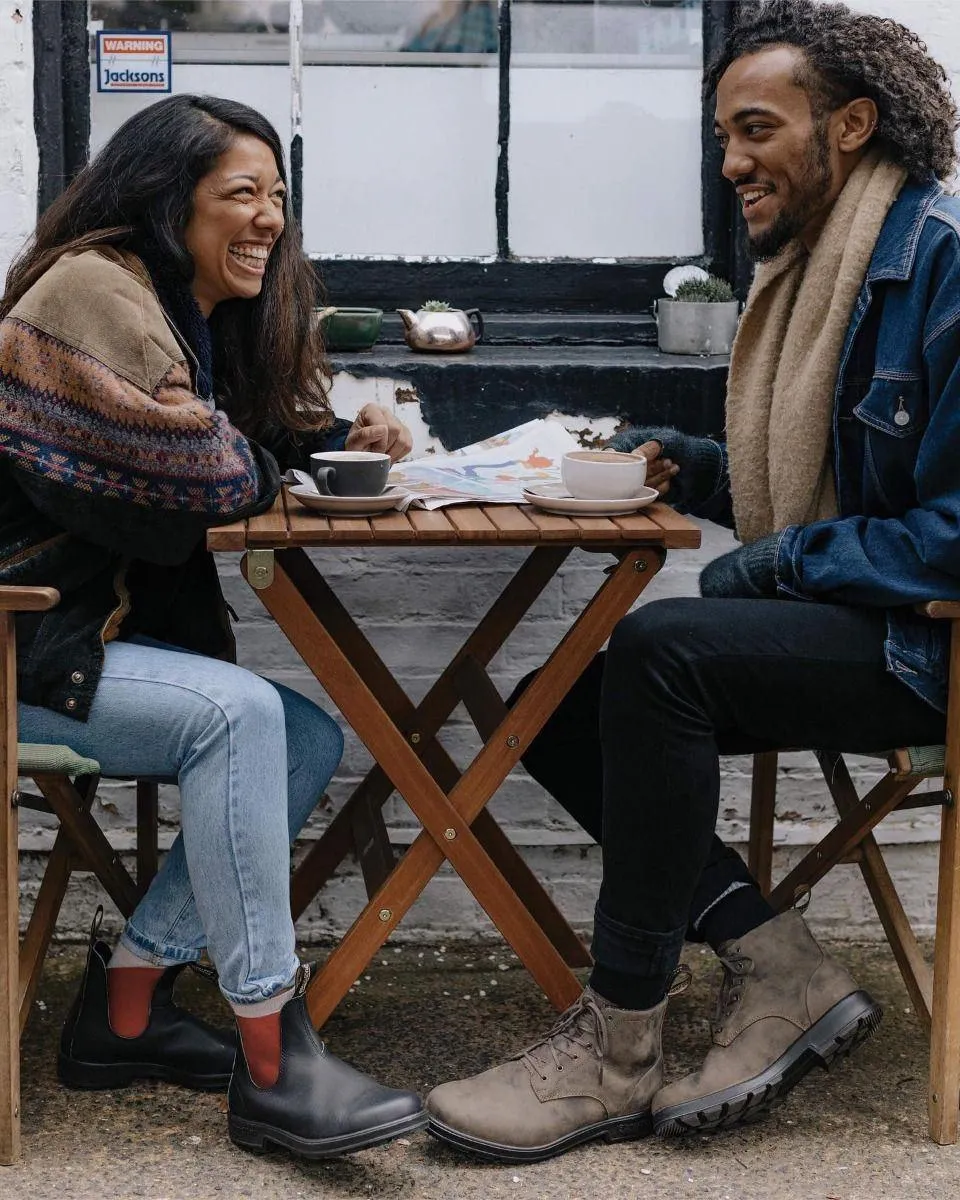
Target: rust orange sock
point(129, 995)
point(260, 1038)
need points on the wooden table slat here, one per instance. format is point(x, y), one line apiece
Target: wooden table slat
point(305, 525)
point(598, 527)
point(392, 526)
point(684, 535)
point(269, 528)
point(431, 526)
point(553, 527)
point(228, 537)
point(471, 522)
point(350, 529)
point(512, 520)
point(639, 526)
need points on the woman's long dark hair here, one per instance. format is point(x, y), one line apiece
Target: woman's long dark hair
point(269, 367)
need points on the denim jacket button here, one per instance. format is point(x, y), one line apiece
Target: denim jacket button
point(77, 677)
point(71, 703)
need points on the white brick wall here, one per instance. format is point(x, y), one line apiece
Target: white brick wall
point(18, 146)
point(417, 610)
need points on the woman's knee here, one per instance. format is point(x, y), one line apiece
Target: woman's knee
point(312, 734)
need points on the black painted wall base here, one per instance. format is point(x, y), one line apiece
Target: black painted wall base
point(466, 397)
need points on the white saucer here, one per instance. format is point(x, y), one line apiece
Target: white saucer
point(554, 498)
point(347, 506)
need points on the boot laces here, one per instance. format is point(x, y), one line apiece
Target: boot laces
point(582, 1027)
point(736, 969)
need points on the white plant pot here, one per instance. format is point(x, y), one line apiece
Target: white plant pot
point(686, 327)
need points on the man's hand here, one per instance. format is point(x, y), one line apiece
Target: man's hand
point(377, 429)
point(660, 470)
point(747, 573)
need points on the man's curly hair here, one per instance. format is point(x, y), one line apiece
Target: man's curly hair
point(849, 55)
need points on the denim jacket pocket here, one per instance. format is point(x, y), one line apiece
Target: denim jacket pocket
point(893, 416)
point(897, 407)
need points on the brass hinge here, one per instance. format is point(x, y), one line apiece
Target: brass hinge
point(259, 569)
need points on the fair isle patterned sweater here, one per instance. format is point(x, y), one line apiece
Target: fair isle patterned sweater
point(96, 395)
point(107, 456)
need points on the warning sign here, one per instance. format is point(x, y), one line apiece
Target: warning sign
point(129, 61)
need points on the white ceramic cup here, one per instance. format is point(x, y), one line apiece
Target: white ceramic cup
point(603, 474)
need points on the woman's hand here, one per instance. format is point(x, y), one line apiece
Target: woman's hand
point(377, 429)
point(659, 470)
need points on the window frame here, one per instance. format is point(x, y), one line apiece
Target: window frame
point(502, 283)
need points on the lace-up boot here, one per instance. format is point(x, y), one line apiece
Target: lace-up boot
point(592, 1076)
point(784, 1007)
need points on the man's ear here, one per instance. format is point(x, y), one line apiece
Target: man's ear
point(858, 120)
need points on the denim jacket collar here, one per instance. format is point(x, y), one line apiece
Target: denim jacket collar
point(896, 248)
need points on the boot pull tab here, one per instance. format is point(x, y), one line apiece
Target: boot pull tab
point(680, 980)
point(301, 979)
point(96, 923)
point(801, 898)
point(204, 971)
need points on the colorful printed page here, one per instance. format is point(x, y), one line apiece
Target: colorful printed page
point(494, 471)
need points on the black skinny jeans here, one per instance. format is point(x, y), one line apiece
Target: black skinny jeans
point(633, 753)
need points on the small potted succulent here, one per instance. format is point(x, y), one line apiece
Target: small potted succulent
point(699, 314)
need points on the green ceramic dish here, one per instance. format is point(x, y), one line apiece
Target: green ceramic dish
point(350, 328)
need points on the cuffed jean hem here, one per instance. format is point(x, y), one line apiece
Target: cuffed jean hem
point(176, 956)
point(267, 990)
point(631, 951)
point(154, 952)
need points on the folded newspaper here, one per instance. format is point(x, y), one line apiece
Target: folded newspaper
point(494, 471)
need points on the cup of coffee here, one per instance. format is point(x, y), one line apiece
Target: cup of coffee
point(603, 474)
point(350, 472)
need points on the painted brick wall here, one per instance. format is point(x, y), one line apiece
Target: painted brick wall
point(417, 610)
point(18, 146)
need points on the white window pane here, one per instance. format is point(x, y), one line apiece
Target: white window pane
point(605, 163)
point(396, 162)
point(400, 160)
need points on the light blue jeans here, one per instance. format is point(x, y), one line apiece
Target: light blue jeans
point(252, 758)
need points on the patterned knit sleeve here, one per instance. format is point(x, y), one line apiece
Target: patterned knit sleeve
point(110, 461)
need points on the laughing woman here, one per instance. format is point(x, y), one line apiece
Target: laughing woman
point(157, 361)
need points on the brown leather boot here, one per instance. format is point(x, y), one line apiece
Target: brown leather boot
point(784, 1007)
point(592, 1076)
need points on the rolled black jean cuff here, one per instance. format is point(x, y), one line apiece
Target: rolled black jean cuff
point(632, 951)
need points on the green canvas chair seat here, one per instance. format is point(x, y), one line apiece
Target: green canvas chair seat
point(927, 760)
point(36, 759)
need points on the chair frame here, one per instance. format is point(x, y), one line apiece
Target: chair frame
point(80, 845)
point(935, 994)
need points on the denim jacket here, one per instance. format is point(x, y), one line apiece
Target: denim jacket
point(896, 448)
point(896, 444)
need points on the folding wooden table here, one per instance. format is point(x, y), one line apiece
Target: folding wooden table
point(401, 736)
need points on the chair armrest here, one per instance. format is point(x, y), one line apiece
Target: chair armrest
point(28, 599)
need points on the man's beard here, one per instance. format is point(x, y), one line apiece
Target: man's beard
point(817, 176)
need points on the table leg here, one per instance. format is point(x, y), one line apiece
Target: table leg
point(446, 819)
point(415, 869)
point(460, 681)
point(432, 807)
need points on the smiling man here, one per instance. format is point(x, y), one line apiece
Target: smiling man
point(839, 474)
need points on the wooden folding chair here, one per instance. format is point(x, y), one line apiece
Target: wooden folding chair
point(67, 784)
point(935, 994)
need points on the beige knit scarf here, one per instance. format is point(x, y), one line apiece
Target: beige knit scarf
point(783, 369)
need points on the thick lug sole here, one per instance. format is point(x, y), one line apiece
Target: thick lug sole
point(95, 1077)
point(259, 1137)
point(617, 1129)
point(840, 1030)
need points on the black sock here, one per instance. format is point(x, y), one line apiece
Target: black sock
point(734, 915)
point(628, 991)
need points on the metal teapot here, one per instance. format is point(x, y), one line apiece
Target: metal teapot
point(446, 330)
